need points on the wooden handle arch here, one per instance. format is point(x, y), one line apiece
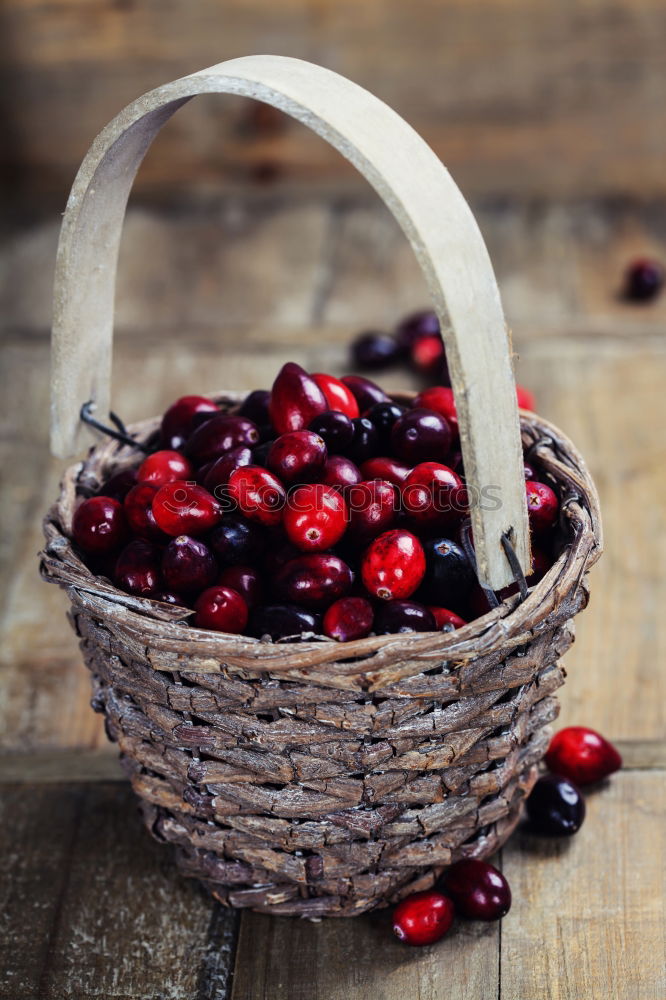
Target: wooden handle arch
point(421, 195)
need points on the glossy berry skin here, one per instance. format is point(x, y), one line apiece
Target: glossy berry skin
point(386, 468)
point(582, 755)
point(283, 621)
point(525, 398)
point(164, 467)
point(364, 442)
point(168, 597)
point(99, 525)
point(644, 280)
point(138, 507)
point(416, 326)
point(446, 621)
point(297, 457)
point(421, 436)
point(373, 350)
point(217, 473)
point(340, 472)
point(315, 517)
point(427, 355)
point(339, 397)
point(384, 416)
point(433, 496)
point(365, 391)
point(423, 917)
point(177, 422)
point(314, 581)
point(393, 565)
point(119, 485)
point(257, 494)
point(403, 616)
point(440, 399)
point(138, 568)
point(372, 507)
point(348, 619)
point(184, 508)
point(449, 575)
point(255, 407)
point(478, 890)
point(335, 428)
point(542, 506)
point(245, 580)
point(221, 609)
point(555, 807)
point(296, 399)
point(236, 541)
point(218, 436)
point(188, 566)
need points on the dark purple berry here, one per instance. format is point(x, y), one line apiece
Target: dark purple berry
point(374, 350)
point(556, 807)
point(403, 616)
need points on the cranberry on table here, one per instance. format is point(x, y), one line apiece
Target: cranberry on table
point(255, 407)
point(315, 517)
point(383, 416)
point(427, 355)
point(644, 280)
point(340, 472)
point(365, 391)
point(525, 398)
point(433, 496)
point(373, 508)
point(335, 428)
point(555, 807)
point(99, 525)
point(183, 508)
point(188, 565)
point(217, 474)
point(177, 422)
point(393, 565)
point(365, 440)
point(440, 399)
point(138, 507)
point(449, 575)
point(582, 755)
point(257, 494)
point(119, 485)
point(386, 468)
point(446, 621)
point(339, 397)
point(543, 506)
point(138, 568)
point(403, 616)
point(416, 326)
point(164, 467)
point(374, 350)
point(220, 435)
point(421, 436)
point(283, 621)
point(296, 399)
point(236, 541)
point(297, 457)
point(221, 609)
point(348, 619)
point(245, 580)
point(479, 891)
point(314, 581)
point(423, 917)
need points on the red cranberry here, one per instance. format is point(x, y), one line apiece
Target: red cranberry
point(138, 568)
point(297, 457)
point(220, 435)
point(423, 918)
point(221, 609)
point(119, 485)
point(555, 807)
point(416, 326)
point(338, 396)
point(185, 509)
point(188, 565)
point(177, 421)
point(372, 508)
point(644, 280)
point(385, 468)
point(374, 350)
point(236, 541)
point(139, 512)
point(315, 517)
point(478, 890)
point(217, 474)
point(245, 581)
point(433, 496)
point(403, 616)
point(427, 355)
point(582, 755)
point(440, 399)
point(314, 580)
point(365, 392)
point(421, 436)
point(296, 399)
point(383, 416)
point(255, 407)
point(393, 565)
point(348, 619)
point(525, 398)
point(335, 428)
point(340, 472)
point(449, 575)
point(99, 525)
point(542, 506)
point(365, 440)
point(164, 467)
point(446, 621)
point(257, 494)
point(284, 621)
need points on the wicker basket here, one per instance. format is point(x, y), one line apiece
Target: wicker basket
point(319, 778)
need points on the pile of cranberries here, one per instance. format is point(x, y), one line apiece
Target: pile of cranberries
point(320, 507)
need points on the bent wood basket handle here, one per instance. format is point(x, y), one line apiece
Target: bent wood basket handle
point(421, 195)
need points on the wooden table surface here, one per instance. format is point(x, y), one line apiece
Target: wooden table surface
point(218, 294)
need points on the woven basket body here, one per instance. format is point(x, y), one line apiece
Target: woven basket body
point(316, 778)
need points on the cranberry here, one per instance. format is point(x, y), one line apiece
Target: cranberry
point(383, 416)
point(217, 474)
point(555, 807)
point(245, 581)
point(236, 540)
point(404, 616)
point(348, 619)
point(297, 457)
point(220, 435)
point(542, 506)
point(315, 517)
point(119, 485)
point(185, 509)
point(433, 496)
point(168, 597)
point(255, 407)
point(423, 917)
point(449, 575)
point(296, 399)
point(393, 565)
point(446, 621)
point(582, 755)
point(479, 891)
point(99, 525)
point(372, 508)
point(414, 327)
point(385, 468)
point(177, 421)
point(314, 580)
point(138, 568)
point(221, 609)
point(257, 494)
point(335, 428)
point(374, 350)
point(164, 467)
point(365, 392)
point(421, 436)
point(428, 356)
point(340, 472)
point(365, 440)
point(188, 565)
point(525, 398)
point(338, 396)
point(284, 621)
point(139, 512)
point(440, 399)
point(643, 280)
